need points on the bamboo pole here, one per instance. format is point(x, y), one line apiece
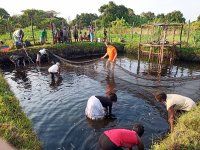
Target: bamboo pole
point(132, 29)
point(181, 35)
point(109, 32)
point(139, 49)
point(188, 33)
point(32, 30)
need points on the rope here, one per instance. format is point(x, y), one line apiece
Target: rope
point(195, 77)
point(75, 63)
point(29, 58)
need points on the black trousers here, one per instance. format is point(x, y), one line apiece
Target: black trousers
point(106, 144)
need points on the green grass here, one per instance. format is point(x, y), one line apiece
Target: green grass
point(15, 127)
point(186, 134)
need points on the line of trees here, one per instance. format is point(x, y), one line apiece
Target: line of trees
point(108, 13)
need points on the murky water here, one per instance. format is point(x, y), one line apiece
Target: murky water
point(57, 109)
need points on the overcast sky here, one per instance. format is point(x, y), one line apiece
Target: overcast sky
point(70, 8)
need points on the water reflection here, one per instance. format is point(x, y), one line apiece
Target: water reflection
point(110, 84)
point(20, 75)
point(99, 124)
point(56, 82)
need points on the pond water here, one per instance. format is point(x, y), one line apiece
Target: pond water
point(57, 109)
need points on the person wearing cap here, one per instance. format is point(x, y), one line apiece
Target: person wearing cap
point(112, 56)
point(42, 54)
point(99, 107)
point(175, 103)
point(54, 70)
point(117, 139)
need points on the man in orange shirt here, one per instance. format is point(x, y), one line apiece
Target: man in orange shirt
point(112, 56)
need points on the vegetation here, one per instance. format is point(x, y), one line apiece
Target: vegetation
point(14, 125)
point(121, 23)
point(186, 133)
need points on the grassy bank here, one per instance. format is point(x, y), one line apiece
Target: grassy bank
point(186, 135)
point(15, 127)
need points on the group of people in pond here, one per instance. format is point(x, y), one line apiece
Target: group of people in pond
point(100, 107)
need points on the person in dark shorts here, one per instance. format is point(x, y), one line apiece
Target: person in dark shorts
point(117, 139)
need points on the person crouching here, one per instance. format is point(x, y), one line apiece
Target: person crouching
point(54, 70)
point(99, 107)
point(117, 139)
point(43, 53)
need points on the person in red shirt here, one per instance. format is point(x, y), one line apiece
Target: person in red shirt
point(116, 139)
point(112, 56)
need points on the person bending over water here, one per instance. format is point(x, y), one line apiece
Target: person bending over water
point(175, 103)
point(43, 53)
point(116, 139)
point(54, 70)
point(99, 107)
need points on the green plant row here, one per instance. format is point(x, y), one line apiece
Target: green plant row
point(15, 127)
point(186, 133)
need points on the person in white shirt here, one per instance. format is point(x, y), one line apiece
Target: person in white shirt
point(54, 70)
point(18, 36)
point(43, 53)
point(174, 103)
point(99, 107)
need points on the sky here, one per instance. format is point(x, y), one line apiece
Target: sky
point(68, 9)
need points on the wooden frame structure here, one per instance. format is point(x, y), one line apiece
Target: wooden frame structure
point(157, 39)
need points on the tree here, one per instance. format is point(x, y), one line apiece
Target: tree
point(84, 20)
point(160, 18)
point(175, 17)
point(150, 16)
point(110, 12)
point(198, 18)
point(4, 14)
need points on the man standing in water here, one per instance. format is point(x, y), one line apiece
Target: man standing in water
point(116, 139)
point(175, 103)
point(112, 56)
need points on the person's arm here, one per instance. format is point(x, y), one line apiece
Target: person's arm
point(140, 145)
point(4, 145)
point(171, 114)
point(114, 58)
point(59, 69)
point(104, 56)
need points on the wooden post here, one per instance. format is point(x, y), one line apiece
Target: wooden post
point(32, 30)
point(109, 32)
point(162, 47)
point(51, 25)
point(121, 31)
point(174, 33)
point(9, 28)
point(139, 49)
point(188, 33)
point(181, 35)
point(132, 30)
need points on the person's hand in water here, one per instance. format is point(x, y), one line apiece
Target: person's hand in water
point(111, 116)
